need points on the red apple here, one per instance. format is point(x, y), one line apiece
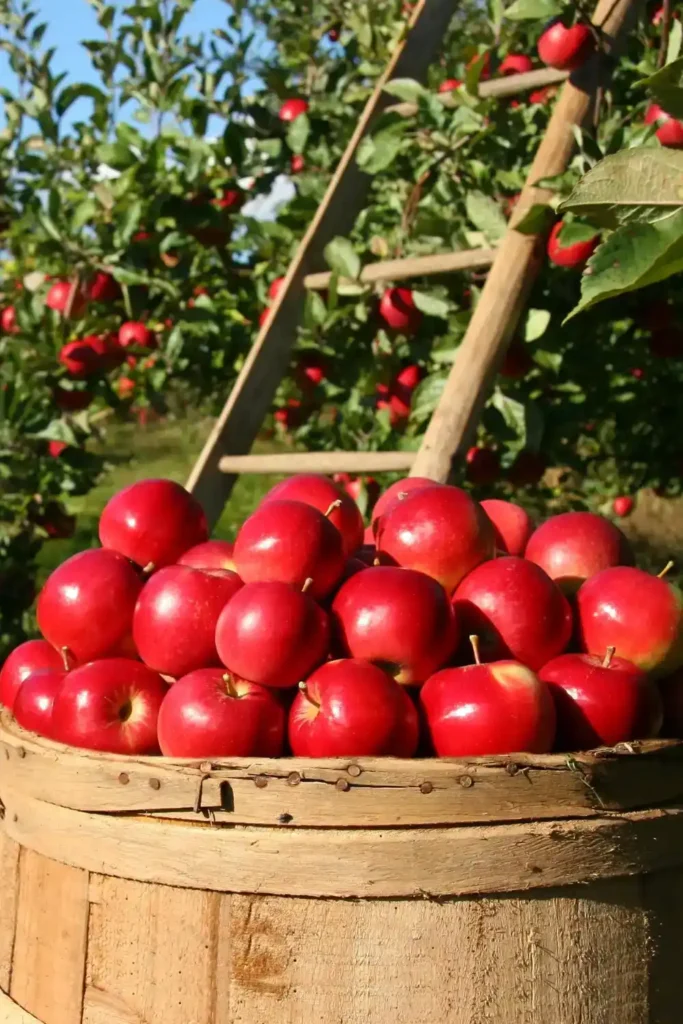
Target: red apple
point(72, 401)
point(573, 255)
point(275, 288)
point(398, 491)
point(406, 737)
point(125, 386)
point(398, 310)
point(450, 84)
point(211, 554)
point(137, 334)
point(478, 710)
point(87, 604)
point(515, 64)
point(110, 705)
point(670, 131)
point(35, 700)
point(511, 523)
point(322, 494)
point(290, 542)
point(272, 634)
point(310, 372)
point(574, 546)
point(297, 163)
point(209, 714)
point(483, 465)
point(293, 108)
point(80, 358)
point(103, 288)
point(347, 708)
point(174, 625)
point(637, 614)
point(59, 296)
point(601, 701)
point(25, 660)
point(292, 415)
point(440, 531)
point(516, 610)
point(398, 618)
point(622, 506)
point(56, 448)
point(153, 522)
point(8, 320)
point(517, 362)
point(565, 48)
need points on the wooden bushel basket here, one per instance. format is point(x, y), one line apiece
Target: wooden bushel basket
point(518, 890)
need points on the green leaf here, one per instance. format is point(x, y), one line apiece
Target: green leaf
point(298, 132)
point(49, 226)
point(316, 310)
point(486, 215)
point(537, 321)
point(525, 419)
point(426, 396)
point(666, 85)
point(342, 258)
point(537, 10)
point(575, 231)
point(378, 152)
point(632, 257)
point(675, 40)
point(83, 214)
point(643, 184)
point(535, 220)
point(115, 154)
point(129, 222)
point(405, 89)
point(72, 93)
point(431, 305)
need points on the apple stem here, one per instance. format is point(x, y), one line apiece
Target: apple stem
point(376, 561)
point(333, 506)
point(229, 685)
point(667, 568)
point(308, 583)
point(474, 640)
point(67, 657)
point(306, 692)
point(148, 569)
point(609, 654)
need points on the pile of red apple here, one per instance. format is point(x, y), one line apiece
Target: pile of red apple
point(446, 627)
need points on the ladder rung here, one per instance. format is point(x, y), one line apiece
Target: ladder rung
point(411, 266)
point(498, 88)
point(318, 462)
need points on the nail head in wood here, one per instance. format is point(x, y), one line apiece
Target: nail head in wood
point(343, 785)
point(124, 778)
point(155, 784)
point(260, 782)
point(293, 779)
point(466, 781)
point(21, 752)
point(426, 787)
point(354, 770)
point(285, 819)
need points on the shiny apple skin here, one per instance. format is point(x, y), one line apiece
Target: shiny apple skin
point(87, 605)
point(290, 542)
point(320, 492)
point(212, 554)
point(574, 546)
point(399, 618)
point(440, 531)
point(598, 705)
point(406, 736)
point(360, 712)
point(500, 708)
point(516, 611)
point(110, 705)
point(153, 522)
point(512, 525)
point(174, 625)
point(272, 634)
point(638, 614)
point(203, 715)
point(35, 701)
point(29, 657)
point(397, 492)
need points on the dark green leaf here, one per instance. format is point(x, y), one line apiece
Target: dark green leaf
point(536, 220)
point(536, 10)
point(486, 215)
point(666, 86)
point(405, 89)
point(342, 258)
point(298, 132)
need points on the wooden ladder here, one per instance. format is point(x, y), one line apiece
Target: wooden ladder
point(514, 265)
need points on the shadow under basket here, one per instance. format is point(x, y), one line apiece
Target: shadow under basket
point(506, 890)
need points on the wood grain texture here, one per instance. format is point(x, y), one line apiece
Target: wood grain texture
point(514, 270)
point(12, 1013)
point(151, 954)
point(430, 862)
point(51, 935)
point(266, 363)
point(9, 875)
point(410, 266)
point(367, 792)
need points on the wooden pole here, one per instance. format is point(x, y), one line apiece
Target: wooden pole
point(515, 267)
point(319, 462)
point(412, 266)
point(266, 364)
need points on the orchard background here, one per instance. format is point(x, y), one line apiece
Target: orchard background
point(135, 201)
